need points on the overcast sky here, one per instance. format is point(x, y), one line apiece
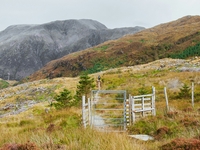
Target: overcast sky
point(111, 13)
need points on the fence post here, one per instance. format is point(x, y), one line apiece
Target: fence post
point(153, 100)
point(133, 106)
point(192, 94)
point(130, 110)
point(83, 112)
point(125, 119)
point(89, 112)
point(166, 99)
point(127, 112)
point(143, 106)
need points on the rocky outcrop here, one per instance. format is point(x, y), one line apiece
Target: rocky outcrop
point(27, 48)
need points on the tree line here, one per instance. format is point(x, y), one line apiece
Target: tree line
point(188, 52)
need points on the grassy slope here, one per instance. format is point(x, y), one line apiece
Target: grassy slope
point(148, 45)
point(63, 128)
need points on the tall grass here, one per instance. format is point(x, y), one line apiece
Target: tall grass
point(63, 129)
point(48, 132)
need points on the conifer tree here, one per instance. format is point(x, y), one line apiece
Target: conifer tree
point(63, 99)
point(184, 91)
point(86, 84)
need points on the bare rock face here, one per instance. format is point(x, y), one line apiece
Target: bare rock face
point(25, 49)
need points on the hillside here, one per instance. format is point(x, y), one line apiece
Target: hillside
point(148, 45)
point(164, 72)
point(25, 49)
point(25, 110)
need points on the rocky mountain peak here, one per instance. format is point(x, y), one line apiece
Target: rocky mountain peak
point(25, 49)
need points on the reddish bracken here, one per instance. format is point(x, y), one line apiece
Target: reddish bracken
point(182, 144)
point(50, 128)
point(161, 132)
point(189, 121)
point(172, 114)
point(188, 109)
point(26, 146)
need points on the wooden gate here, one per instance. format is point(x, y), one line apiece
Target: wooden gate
point(142, 105)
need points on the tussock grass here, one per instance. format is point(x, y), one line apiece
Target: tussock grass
point(63, 128)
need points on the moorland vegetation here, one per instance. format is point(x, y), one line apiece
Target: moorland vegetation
point(43, 111)
point(46, 126)
point(176, 39)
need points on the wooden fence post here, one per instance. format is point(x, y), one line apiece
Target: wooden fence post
point(133, 106)
point(130, 110)
point(192, 94)
point(83, 112)
point(153, 100)
point(89, 112)
point(166, 99)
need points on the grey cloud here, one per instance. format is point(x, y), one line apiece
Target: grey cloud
point(112, 13)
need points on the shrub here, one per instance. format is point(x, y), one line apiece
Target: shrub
point(184, 92)
point(26, 146)
point(63, 100)
point(182, 144)
point(161, 133)
point(86, 84)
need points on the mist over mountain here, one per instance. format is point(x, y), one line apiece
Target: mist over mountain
point(25, 49)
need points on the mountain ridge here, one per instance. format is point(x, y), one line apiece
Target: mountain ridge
point(145, 46)
point(26, 48)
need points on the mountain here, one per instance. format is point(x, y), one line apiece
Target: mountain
point(26, 48)
point(164, 40)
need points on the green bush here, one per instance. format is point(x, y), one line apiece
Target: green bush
point(184, 92)
point(86, 84)
point(63, 100)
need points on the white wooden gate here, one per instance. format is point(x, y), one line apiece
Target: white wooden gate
point(142, 105)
